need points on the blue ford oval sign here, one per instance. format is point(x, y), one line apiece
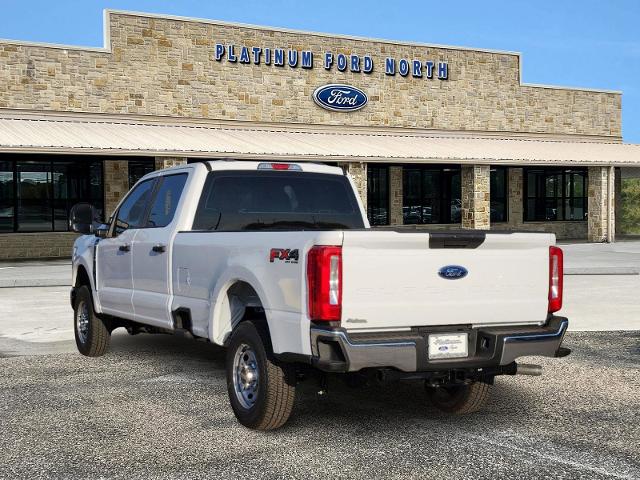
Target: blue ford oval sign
point(340, 98)
point(453, 272)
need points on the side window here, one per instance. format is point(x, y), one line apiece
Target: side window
point(131, 212)
point(166, 200)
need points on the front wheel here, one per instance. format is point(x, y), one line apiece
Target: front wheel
point(92, 336)
point(459, 399)
point(261, 390)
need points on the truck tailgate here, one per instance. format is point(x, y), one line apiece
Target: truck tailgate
point(391, 279)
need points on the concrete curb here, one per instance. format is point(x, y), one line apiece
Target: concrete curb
point(42, 282)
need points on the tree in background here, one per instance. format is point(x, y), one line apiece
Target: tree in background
point(630, 219)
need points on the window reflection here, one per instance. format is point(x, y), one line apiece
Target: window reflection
point(6, 197)
point(138, 169)
point(498, 196)
point(37, 191)
point(555, 194)
point(378, 195)
point(431, 195)
point(34, 197)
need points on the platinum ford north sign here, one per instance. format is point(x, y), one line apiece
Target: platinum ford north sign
point(305, 59)
point(340, 98)
point(334, 97)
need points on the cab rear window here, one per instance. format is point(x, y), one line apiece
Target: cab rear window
point(263, 200)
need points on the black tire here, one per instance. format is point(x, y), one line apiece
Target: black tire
point(267, 403)
point(92, 335)
point(459, 399)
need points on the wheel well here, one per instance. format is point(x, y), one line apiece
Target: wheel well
point(243, 304)
point(82, 277)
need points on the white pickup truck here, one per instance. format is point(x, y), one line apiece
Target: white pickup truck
point(277, 263)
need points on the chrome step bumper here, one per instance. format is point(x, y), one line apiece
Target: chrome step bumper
point(337, 350)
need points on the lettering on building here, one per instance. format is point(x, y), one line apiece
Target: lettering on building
point(291, 58)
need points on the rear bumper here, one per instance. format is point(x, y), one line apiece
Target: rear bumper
point(336, 350)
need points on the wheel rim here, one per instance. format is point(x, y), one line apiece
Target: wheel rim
point(245, 376)
point(82, 321)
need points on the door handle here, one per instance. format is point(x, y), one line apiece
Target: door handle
point(159, 248)
point(124, 248)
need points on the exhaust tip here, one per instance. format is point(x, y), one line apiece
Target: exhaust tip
point(528, 369)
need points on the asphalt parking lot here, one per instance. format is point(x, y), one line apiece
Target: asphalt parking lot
point(156, 407)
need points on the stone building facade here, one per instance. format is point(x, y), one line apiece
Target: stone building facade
point(183, 71)
point(159, 66)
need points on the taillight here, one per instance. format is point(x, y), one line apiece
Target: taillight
point(324, 283)
point(555, 279)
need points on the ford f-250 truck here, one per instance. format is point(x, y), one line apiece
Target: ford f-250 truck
point(277, 263)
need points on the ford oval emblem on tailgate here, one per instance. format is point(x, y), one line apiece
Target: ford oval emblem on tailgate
point(453, 272)
point(340, 98)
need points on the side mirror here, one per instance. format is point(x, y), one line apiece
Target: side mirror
point(102, 231)
point(81, 218)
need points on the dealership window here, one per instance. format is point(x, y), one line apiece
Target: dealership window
point(139, 168)
point(431, 195)
point(554, 194)
point(37, 191)
point(378, 194)
point(6, 196)
point(499, 198)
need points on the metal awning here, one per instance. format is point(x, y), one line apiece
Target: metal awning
point(101, 135)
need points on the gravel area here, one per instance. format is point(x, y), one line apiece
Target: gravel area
point(157, 407)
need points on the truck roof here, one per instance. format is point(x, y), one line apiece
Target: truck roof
point(253, 165)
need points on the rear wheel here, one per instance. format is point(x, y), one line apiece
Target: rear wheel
point(459, 399)
point(261, 390)
point(92, 336)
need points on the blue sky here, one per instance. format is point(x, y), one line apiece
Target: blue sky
point(584, 43)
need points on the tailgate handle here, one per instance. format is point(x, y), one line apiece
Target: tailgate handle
point(456, 240)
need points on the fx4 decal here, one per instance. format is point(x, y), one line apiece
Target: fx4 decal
point(285, 254)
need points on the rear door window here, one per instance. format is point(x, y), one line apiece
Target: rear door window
point(233, 201)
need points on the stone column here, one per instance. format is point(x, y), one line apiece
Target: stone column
point(516, 201)
point(475, 197)
point(358, 172)
point(116, 183)
point(395, 196)
point(166, 162)
point(599, 215)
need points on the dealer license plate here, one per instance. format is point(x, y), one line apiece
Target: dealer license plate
point(448, 345)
